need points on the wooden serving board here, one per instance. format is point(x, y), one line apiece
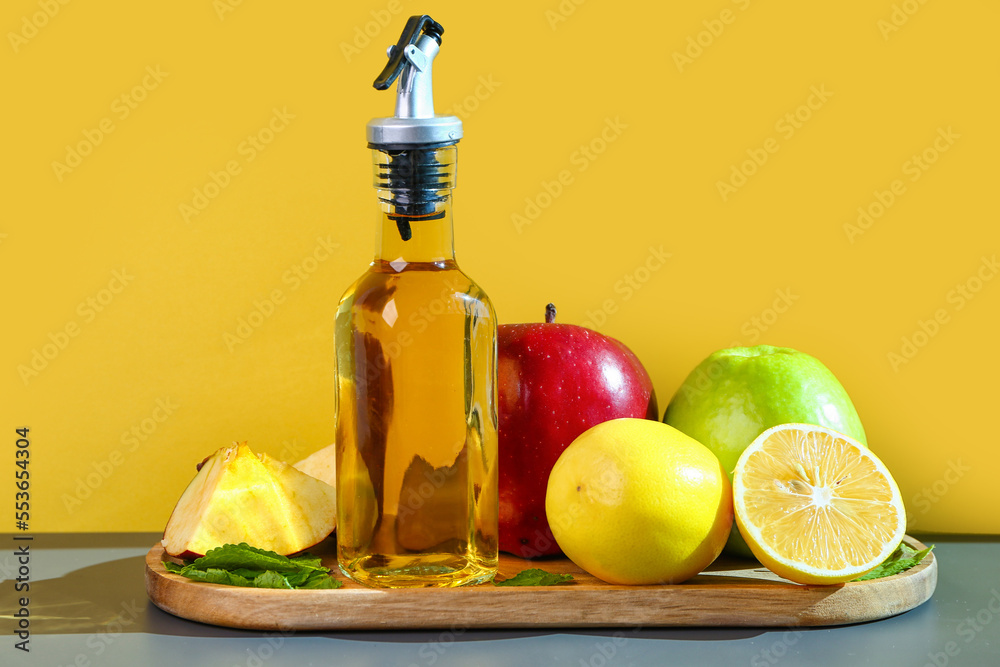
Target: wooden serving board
point(729, 593)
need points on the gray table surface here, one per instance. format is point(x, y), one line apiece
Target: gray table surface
point(88, 607)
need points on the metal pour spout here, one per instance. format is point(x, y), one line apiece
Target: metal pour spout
point(415, 124)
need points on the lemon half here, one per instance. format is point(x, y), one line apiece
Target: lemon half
point(815, 506)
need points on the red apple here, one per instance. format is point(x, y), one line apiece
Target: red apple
point(555, 381)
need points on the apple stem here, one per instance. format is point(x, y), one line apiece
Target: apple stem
point(550, 313)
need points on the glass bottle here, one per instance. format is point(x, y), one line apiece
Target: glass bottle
point(415, 342)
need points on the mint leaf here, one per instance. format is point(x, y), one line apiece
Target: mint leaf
point(243, 565)
point(270, 579)
point(535, 577)
point(307, 560)
point(215, 576)
point(237, 556)
point(901, 560)
point(321, 581)
point(247, 572)
point(296, 579)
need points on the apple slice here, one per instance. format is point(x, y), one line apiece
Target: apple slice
point(321, 464)
point(239, 496)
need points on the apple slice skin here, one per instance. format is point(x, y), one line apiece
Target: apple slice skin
point(555, 381)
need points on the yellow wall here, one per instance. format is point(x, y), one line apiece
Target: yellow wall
point(535, 87)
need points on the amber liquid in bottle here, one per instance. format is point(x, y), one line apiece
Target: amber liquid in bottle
point(416, 417)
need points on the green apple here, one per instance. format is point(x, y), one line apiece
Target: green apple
point(738, 393)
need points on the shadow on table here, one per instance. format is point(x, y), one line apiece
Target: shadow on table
point(108, 599)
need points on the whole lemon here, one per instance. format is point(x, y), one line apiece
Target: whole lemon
point(634, 501)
